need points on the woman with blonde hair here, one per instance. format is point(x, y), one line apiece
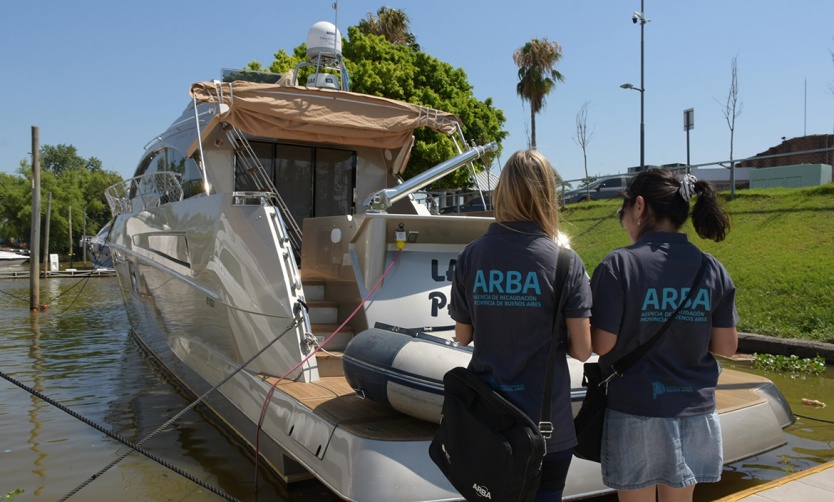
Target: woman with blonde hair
point(504, 300)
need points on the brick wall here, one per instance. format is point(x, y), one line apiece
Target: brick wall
point(801, 144)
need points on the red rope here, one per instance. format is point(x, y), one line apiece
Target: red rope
point(321, 346)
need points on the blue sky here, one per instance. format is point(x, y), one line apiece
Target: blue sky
point(107, 76)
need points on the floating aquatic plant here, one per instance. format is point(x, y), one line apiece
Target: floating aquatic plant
point(792, 364)
point(11, 494)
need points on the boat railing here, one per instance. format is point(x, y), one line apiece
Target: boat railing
point(383, 199)
point(144, 192)
point(251, 168)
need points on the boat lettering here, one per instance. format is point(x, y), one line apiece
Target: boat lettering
point(450, 272)
point(438, 301)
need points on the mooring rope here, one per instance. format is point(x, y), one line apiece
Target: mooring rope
point(813, 418)
point(182, 412)
point(118, 437)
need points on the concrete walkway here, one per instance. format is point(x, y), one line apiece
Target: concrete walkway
point(815, 484)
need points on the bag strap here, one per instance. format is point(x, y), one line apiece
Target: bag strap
point(622, 364)
point(559, 287)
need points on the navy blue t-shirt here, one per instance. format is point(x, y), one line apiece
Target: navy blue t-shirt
point(504, 287)
point(636, 288)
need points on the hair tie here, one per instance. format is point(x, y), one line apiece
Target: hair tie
point(687, 189)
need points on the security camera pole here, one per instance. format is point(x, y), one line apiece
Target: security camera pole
point(639, 17)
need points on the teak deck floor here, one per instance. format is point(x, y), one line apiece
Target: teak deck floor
point(333, 399)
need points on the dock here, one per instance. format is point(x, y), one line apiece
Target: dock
point(816, 483)
point(70, 272)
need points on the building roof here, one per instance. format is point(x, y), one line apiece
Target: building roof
point(485, 181)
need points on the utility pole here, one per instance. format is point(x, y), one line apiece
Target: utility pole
point(688, 124)
point(34, 235)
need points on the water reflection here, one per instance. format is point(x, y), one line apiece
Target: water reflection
point(78, 353)
point(37, 405)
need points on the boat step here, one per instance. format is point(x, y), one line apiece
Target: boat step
point(339, 340)
point(313, 289)
point(330, 363)
point(323, 312)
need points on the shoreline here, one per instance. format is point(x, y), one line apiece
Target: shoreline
point(751, 343)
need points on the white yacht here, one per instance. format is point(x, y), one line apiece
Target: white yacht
point(268, 227)
point(97, 248)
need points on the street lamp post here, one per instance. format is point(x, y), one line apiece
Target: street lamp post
point(641, 18)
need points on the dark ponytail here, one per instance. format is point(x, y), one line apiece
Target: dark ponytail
point(662, 192)
point(708, 217)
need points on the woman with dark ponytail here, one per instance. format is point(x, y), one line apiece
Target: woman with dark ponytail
point(662, 434)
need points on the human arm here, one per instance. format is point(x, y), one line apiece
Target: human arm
point(579, 337)
point(463, 333)
point(602, 341)
point(724, 341)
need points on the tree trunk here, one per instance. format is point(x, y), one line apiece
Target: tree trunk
point(532, 129)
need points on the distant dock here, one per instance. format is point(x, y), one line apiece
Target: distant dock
point(70, 272)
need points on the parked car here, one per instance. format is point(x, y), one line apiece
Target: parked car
point(603, 188)
point(474, 205)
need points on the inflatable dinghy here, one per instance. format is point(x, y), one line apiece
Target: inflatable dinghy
point(402, 368)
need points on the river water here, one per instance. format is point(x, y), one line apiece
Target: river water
point(79, 353)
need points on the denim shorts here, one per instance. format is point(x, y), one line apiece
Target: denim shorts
point(643, 451)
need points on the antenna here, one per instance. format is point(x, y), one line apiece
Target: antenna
point(335, 21)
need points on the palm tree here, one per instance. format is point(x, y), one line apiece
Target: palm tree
point(537, 76)
point(391, 24)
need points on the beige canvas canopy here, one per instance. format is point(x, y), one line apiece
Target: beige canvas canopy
point(321, 115)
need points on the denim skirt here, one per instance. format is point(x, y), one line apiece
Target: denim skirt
point(643, 451)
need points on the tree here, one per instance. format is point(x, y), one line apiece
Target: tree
point(73, 181)
point(732, 109)
point(537, 76)
point(391, 24)
point(381, 68)
point(15, 199)
point(583, 137)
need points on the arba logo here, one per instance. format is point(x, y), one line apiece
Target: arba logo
point(482, 491)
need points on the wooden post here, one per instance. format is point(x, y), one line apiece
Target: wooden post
point(34, 235)
point(48, 217)
point(69, 221)
point(84, 238)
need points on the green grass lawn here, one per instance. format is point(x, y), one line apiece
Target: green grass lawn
point(779, 252)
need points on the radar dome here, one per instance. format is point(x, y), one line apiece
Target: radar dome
point(323, 38)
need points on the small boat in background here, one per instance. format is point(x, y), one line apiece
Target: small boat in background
point(10, 258)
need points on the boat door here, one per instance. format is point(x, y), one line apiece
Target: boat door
point(312, 181)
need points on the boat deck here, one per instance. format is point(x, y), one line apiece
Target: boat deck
point(736, 390)
point(332, 398)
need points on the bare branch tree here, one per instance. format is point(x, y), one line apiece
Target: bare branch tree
point(583, 137)
point(831, 85)
point(733, 106)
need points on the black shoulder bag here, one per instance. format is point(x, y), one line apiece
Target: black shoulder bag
point(590, 419)
point(487, 447)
